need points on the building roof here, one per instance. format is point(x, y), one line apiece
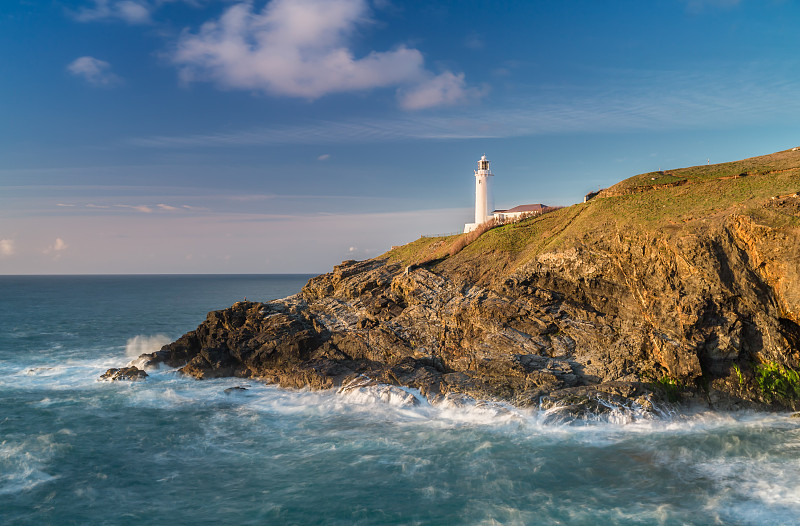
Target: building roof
point(523, 208)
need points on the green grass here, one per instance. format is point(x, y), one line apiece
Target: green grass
point(417, 251)
point(710, 196)
point(753, 166)
point(702, 199)
point(516, 237)
point(739, 376)
point(778, 383)
point(668, 386)
point(648, 179)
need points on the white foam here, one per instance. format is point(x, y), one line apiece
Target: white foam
point(381, 402)
point(363, 390)
point(22, 479)
point(756, 480)
point(165, 388)
point(748, 486)
point(68, 374)
point(22, 465)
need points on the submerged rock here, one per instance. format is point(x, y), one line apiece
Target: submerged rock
point(125, 373)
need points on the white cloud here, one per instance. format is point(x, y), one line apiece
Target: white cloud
point(57, 248)
point(7, 247)
point(634, 100)
point(324, 157)
point(443, 90)
point(94, 71)
point(300, 48)
point(146, 209)
point(130, 11)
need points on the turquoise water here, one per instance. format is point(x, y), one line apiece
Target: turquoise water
point(172, 450)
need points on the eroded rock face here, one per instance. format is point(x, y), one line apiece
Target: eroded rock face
point(597, 321)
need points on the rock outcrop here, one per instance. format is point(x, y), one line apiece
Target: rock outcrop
point(130, 373)
point(616, 311)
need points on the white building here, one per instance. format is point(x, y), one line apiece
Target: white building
point(483, 202)
point(518, 212)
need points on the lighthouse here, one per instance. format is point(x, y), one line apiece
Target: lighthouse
point(482, 175)
point(482, 194)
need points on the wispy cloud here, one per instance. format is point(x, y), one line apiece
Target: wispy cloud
point(295, 242)
point(302, 48)
point(145, 209)
point(634, 101)
point(331, 132)
point(94, 71)
point(130, 11)
point(134, 12)
point(139, 208)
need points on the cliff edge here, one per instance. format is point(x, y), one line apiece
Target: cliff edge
point(681, 285)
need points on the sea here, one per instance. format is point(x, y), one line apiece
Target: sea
point(174, 450)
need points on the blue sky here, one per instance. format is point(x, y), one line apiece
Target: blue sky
point(195, 136)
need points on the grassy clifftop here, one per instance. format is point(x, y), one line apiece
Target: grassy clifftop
point(690, 276)
point(754, 166)
point(673, 202)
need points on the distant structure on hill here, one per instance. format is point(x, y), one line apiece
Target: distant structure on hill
point(483, 201)
point(592, 195)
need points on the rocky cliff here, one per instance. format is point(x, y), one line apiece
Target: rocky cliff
point(682, 292)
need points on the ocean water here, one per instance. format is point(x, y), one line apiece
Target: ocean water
point(172, 450)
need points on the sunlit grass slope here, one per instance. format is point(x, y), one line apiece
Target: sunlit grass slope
point(673, 202)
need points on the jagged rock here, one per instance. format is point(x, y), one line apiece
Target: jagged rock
point(578, 324)
point(125, 373)
point(235, 389)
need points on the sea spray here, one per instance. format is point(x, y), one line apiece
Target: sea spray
point(142, 344)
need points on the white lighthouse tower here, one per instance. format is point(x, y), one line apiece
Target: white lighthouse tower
point(482, 194)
